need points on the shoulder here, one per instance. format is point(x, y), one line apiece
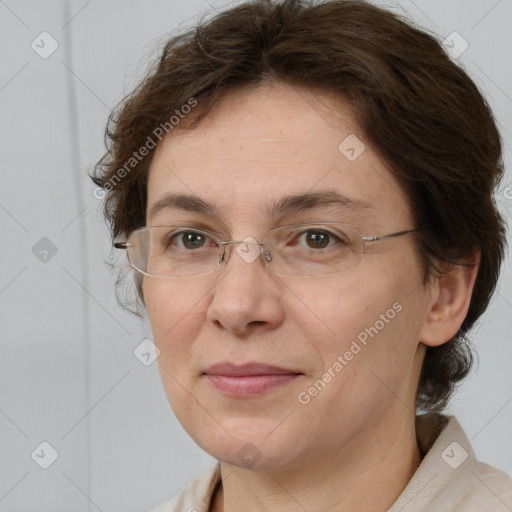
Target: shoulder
point(491, 488)
point(196, 495)
point(451, 478)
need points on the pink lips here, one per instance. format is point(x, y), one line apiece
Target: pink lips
point(249, 379)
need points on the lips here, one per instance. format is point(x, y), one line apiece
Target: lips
point(248, 369)
point(248, 380)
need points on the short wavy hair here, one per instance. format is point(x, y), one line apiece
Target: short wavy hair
point(422, 113)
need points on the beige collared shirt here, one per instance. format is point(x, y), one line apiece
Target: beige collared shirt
point(449, 478)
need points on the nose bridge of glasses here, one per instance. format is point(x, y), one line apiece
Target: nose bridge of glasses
point(245, 254)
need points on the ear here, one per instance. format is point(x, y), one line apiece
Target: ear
point(450, 299)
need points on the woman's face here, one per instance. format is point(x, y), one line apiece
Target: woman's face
point(355, 335)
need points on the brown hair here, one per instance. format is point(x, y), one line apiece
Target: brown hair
point(421, 112)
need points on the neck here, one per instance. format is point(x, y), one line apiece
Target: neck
point(370, 476)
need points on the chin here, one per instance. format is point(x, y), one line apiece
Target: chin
point(246, 443)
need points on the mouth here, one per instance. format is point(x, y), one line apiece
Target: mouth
point(250, 379)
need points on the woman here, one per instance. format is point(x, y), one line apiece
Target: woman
point(305, 197)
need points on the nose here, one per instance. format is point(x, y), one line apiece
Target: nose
point(247, 295)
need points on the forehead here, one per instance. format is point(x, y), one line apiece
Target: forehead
point(261, 144)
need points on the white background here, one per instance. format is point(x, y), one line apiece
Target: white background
point(68, 374)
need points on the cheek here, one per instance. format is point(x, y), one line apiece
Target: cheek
point(333, 312)
point(174, 315)
point(367, 361)
point(371, 319)
point(174, 325)
point(168, 305)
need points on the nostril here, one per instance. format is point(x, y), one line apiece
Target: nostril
point(257, 322)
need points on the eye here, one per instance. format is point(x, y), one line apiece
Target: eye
point(320, 239)
point(188, 240)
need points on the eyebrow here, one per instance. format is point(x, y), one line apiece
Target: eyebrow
point(284, 206)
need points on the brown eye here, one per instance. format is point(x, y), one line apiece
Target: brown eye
point(319, 239)
point(192, 239)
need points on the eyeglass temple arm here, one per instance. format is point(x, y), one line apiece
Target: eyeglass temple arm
point(121, 245)
point(391, 235)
